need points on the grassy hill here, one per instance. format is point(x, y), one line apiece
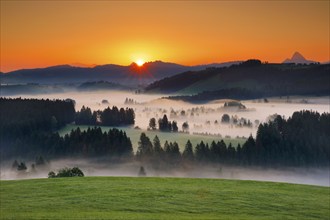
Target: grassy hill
point(160, 198)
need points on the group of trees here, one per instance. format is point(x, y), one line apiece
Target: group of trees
point(28, 128)
point(301, 140)
point(108, 117)
point(89, 143)
point(92, 142)
point(129, 101)
point(163, 124)
point(24, 117)
point(154, 153)
point(85, 116)
point(24, 121)
point(170, 156)
point(21, 166)
point(242, 122)
point(236, 104)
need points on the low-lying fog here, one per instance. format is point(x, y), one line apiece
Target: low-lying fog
point(93, 168)
point(202, 119)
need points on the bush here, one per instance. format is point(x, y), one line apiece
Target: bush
point(225, 118)
point(21, 166)
point(15, 164)
point(67, 172)
point(51, 174)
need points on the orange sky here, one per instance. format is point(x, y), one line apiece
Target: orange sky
point(39, 34)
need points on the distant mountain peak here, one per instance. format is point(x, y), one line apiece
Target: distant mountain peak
point(298, 58)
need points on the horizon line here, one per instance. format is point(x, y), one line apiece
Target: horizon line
point(83, 65)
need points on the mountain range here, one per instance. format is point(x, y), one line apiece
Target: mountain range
point(131, 75)
point(125, 75)
point(238, 79)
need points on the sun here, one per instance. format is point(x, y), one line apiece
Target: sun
point(140, 62)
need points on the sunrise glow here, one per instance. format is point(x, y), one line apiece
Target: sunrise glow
point(193, 33)
point(140, 62)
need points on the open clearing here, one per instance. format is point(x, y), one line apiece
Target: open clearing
point(160, 198)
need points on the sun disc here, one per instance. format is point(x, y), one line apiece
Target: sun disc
point(140, 62)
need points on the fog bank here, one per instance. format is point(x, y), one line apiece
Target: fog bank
point(202, 118)
point(310, 176)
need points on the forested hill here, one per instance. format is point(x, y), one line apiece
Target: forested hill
point(252, 76)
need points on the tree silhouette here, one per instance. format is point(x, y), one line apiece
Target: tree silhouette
point(185, 127)
point(145, 148)
point(152, 123)
point(188, 154)
point(142, 172)
point(225, 118)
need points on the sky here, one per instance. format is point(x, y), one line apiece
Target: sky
point(46, 33)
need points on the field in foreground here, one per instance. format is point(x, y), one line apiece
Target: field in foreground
point(160, 198)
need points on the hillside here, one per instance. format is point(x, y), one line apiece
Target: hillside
point(36, 88)
point(101, 85)
point(125, 75)
point(160, 198)
point(32, 88)
point(261, 80)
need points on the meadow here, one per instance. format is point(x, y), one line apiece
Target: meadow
point(160, 198)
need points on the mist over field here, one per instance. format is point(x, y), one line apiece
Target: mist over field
point(202, 126)
point(90, 167)
point(204, 116)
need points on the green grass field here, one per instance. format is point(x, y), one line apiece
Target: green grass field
point(180, 138)
point(160, 198)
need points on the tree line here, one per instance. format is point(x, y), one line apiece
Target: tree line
point(28, 128)
point(301, 140)
point(108, 117)
point(89, 143)
point(23, 117)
